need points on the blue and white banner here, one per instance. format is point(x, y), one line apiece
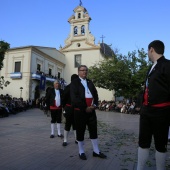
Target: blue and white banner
point(42, 82)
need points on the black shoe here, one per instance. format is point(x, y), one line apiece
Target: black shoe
point(76, 141)
point(52, 136)
point(100, 155)
point(64, 143)
point(82, 156)
point(61, 136)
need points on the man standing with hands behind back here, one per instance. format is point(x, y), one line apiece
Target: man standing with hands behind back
point(84, 99)
point(155, 112)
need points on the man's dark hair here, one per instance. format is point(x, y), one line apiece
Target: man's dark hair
point(82, 66)
point(74, 76)
point(158, 46)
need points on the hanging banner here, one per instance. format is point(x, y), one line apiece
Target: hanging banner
point(42, 82)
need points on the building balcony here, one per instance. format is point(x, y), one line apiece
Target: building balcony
point(37, 76)
point(16, 75)
point(48, 78)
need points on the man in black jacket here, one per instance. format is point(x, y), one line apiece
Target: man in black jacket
point(155, 112)
point(69, 112)
point(54, 97)
point(84, 99)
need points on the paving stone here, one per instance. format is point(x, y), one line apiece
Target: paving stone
point(25, 144)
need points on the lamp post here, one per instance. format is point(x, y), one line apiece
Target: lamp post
point(21, 91)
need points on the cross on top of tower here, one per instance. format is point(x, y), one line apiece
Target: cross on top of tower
point(102, 38)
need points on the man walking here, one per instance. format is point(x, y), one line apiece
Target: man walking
point(155, 112)
point(69, 112)
point(54, 96)
point(84, 99)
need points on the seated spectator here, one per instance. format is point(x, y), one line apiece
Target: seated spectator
point(119, 106)
point(131, 108)
point(123, 109)
point(3, 111)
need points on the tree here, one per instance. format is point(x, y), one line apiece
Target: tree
point(4, 46)
point(124, 74)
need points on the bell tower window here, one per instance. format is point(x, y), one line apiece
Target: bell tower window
point(82, 29)
point(79, 15)
point(75, 30)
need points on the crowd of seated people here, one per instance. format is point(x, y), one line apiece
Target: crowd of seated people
point(41, 103)
point(11, 105)
point(120, 106)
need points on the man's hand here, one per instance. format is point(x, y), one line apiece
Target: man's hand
point(90, 109)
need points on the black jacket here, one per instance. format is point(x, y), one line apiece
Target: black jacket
point(51, 96)
point(66, 96)
point(159, 82)
point(77, 93)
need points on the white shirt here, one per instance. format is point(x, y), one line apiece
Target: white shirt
point(87, 91)
point(154, 64)
point(57, 97)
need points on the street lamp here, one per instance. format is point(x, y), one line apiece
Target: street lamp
point(21, 91)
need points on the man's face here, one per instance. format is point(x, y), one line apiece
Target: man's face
point(83, 72)
point(56, 85)
point(150, 52)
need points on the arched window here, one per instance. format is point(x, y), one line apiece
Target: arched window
point(75, 30)
point(82, 29)
point(79, 15)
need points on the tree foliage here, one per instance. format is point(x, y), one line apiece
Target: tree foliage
point(4, 46)
point(124, 74)
point(3, 82)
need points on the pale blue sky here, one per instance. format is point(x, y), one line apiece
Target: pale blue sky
point(126, 24)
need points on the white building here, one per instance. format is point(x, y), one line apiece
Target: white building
point(24, 66)
point(21, 64)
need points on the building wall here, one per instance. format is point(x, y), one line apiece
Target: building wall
point(13, 88)
point(89, 58)
point(29, 58)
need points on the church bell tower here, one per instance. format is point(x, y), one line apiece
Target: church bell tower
point(79, 28)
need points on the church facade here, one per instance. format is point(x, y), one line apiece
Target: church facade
point(79, 49)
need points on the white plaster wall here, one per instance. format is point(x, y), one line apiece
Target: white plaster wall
point(14, 87)
point(46, 63)
point(89, 58)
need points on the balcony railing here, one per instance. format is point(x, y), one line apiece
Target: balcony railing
point(37, 76)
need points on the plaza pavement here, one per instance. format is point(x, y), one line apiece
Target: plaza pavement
point(25, 144)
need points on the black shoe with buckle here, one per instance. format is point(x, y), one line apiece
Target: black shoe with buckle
point(51, 136)
point(83, 156)
point(100, 155)
point(61, 136)
point(64, 143)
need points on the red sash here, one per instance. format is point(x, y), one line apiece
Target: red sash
point(145, 101)
point(54, 107)
point(155, 105)
point(161, 104)
point(89, 101)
